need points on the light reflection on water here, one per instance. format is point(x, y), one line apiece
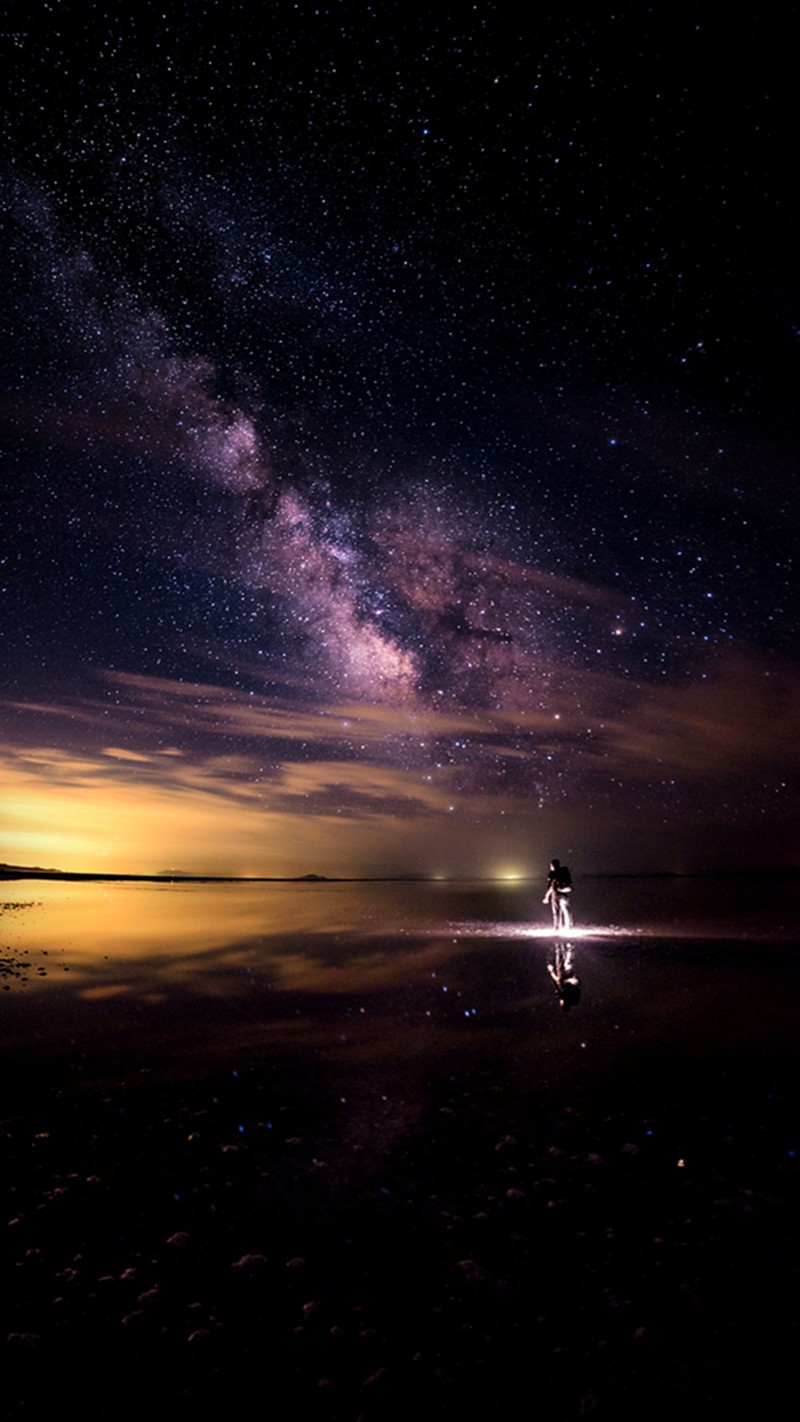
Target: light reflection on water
point(210, 973)
point(174, 928)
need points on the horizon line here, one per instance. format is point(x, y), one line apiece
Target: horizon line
point(14, 871)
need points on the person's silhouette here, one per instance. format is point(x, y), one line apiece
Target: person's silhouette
point(557, 894)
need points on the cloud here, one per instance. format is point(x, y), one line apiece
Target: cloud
point(218, 780)
point(737, 723)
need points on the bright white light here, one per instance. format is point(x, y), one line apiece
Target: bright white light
point(481, 929)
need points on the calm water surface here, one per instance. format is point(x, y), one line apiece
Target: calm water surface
point(203, 972)
point(377, 1082)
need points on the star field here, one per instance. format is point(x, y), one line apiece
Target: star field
point(399, 426)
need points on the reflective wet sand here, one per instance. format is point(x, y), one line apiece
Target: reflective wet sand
point(343, 1142)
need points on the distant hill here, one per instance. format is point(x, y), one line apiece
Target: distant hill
point(23, 871)
point(166, 876)
point(170, 876)
point(20, 871)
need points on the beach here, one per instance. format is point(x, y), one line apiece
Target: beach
point(339, 1152)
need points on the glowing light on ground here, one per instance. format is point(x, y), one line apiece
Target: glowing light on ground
point(481, 929)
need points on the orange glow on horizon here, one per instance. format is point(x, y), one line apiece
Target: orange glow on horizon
point(114, 813)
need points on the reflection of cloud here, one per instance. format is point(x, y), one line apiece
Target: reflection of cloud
point(137, 939)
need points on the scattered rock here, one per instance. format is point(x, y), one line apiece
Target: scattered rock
point(251, 1263)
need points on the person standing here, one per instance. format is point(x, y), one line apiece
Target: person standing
point(557, 894)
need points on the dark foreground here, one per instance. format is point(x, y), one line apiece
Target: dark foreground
point(384, 1209)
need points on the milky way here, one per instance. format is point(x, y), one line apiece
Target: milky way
point(428, 374)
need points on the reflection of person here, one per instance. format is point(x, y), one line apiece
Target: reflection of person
point(566, 981)
point(559, 888)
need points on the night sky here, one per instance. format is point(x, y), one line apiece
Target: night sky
point(399, 423)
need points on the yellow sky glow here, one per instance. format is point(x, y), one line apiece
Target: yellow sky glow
point(270, 791)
